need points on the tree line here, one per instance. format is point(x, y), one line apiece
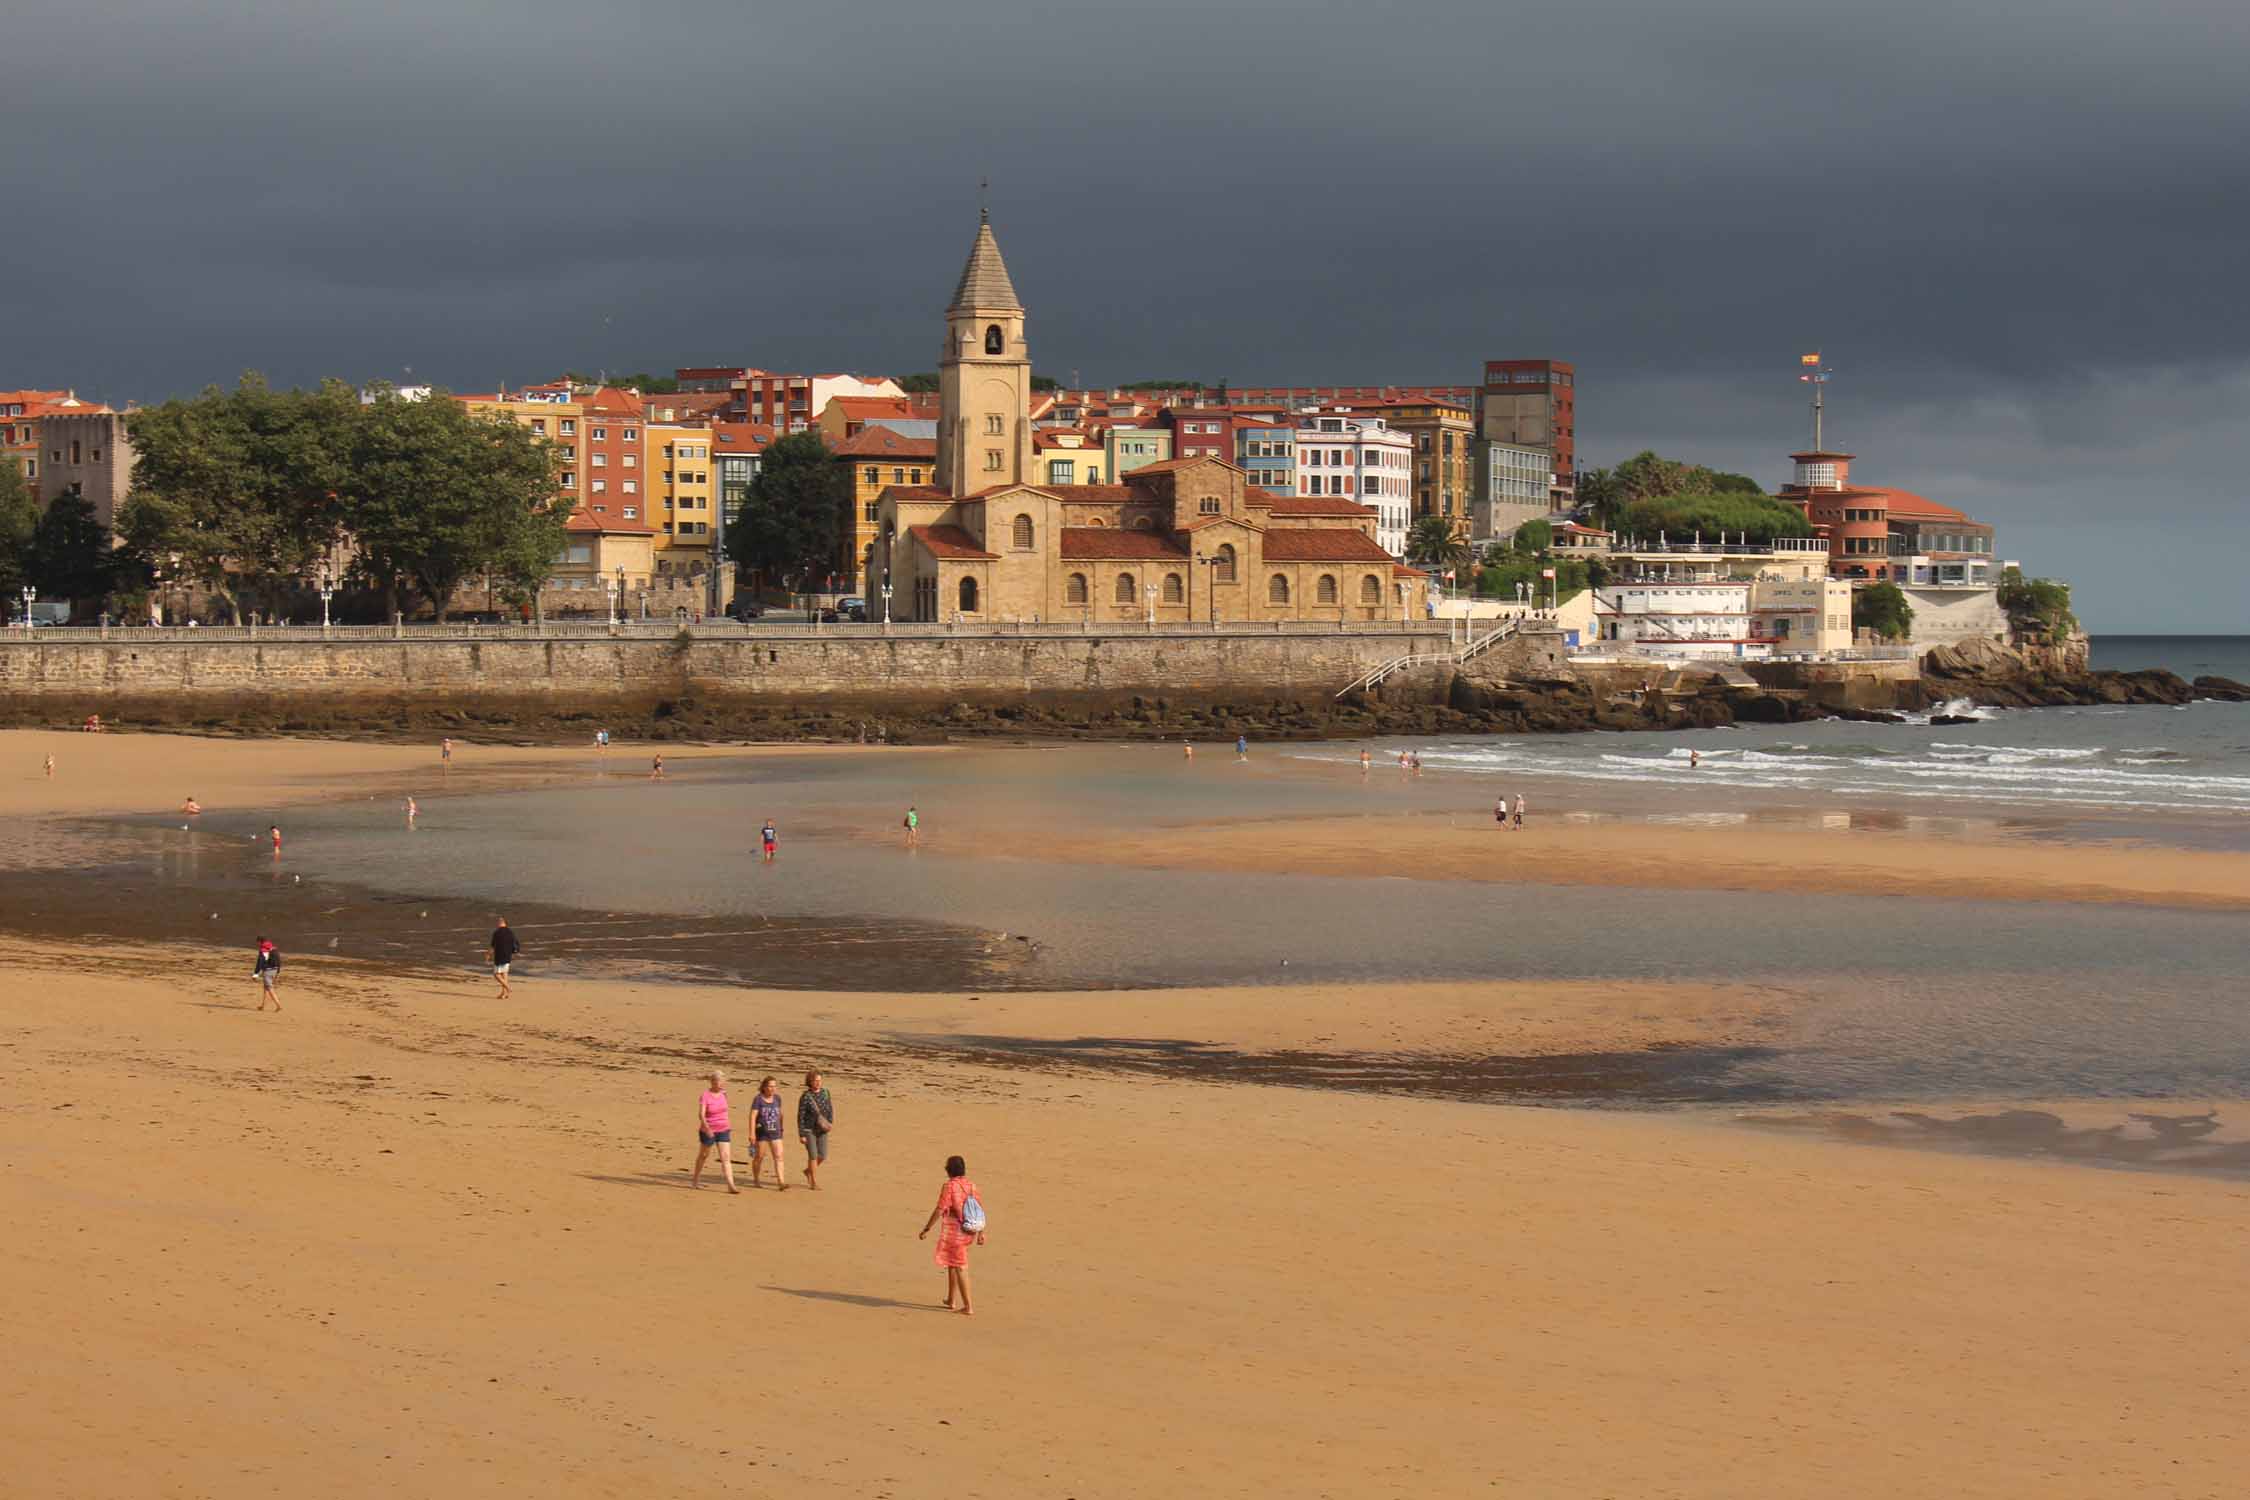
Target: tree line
point(251, 495)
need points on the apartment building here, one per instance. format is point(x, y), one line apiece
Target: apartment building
point(682, 498)
point(1359, 458)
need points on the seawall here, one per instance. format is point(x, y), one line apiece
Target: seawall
point(143, 672)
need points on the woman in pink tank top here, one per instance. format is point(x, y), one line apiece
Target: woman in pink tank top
point(712, 1130)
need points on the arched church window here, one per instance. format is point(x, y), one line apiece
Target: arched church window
point(1074, 592)
point(1207, 506)
point(993, 425)
point(1277, 589)
point(1174, 592)
point(1023, 534)
point(1370, 591)
point(1126, 592)
point(968, 596)
point(1326, 592)
point(994, 341)
point(1225, 569)
point(1143, 523)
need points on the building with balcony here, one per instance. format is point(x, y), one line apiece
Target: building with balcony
point(1879, 535)
point(1359, 458)
point(786, 403)
point(682, 493)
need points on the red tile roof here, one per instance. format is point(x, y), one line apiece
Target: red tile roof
point(881, 442)
point(1170, 465)
point(1305, 544)
point(875, 408)
point(1312, 505)
point(742, 435)
point(1095, 543)
point(951, 543)
point(918, 491)
point(1906, 505)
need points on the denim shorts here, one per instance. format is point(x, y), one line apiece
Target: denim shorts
point(714, 1137)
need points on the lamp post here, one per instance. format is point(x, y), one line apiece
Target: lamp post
point(615, 589)
point(1151, 592)
point(30, 597)
point(327, 592)
point(886, 601)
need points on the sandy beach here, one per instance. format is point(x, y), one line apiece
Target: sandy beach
point(405, 1238)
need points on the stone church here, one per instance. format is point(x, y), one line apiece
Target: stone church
point(1188, 540)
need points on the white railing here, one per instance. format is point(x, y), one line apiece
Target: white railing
point(1374, 678)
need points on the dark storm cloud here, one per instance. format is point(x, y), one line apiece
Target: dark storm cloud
point(2017, 230)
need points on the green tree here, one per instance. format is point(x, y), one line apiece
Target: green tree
point(19, 518)
point(1679, 517)
point(1882, 608)
point(647, 384)
point(1533, 536)
point(1431, 542)
point(922, 384)
point(434, 494)
point(236, 491)
point(2036, 606)
point(1162, 385)
point(1045, 383)
point(1726, 484)
point(1602, 496)
point(792, 525)
point(71, 558)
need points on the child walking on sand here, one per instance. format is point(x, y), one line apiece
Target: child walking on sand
point(712, 1129)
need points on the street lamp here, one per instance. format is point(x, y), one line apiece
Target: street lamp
point(886, 601)
point(30, 597)
point(1151, 591)
point(327, 592)
point(616, 592)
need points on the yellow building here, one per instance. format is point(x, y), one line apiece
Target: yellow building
point(682, 498)
point(878, 458)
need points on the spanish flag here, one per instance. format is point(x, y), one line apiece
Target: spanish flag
point(1809, 360)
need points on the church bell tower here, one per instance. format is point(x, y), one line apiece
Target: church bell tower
point(984, 378)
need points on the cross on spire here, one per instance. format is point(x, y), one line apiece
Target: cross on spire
point(984, 200)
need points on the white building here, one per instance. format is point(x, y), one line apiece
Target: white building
point(1362, 459)
point(1719, 599)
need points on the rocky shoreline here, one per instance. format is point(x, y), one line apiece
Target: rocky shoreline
point(1553, 701)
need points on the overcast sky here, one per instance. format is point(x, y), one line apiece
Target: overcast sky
point(2018, 231)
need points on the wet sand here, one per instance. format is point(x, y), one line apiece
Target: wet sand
point(402, 1239)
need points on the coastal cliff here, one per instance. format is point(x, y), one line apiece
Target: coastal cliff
point(2035, 672)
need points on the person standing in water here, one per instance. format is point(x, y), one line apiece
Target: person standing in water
point(267, 971)
point(505, 947)
point(1242, 747)
point(274, 833)
point(192, 808)
point(953, 1240)
point(1187, 750)
point(1694, 759)
point(412, 811)
point(50, 768)
point(1366, 762)
point(656, 769)
point(913, 828)
point(445, 752)
point(712, 1129)
point(816, 1116)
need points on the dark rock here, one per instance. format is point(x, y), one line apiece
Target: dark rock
point(2225, 689)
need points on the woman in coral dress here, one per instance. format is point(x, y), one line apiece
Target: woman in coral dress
point(953, 1241)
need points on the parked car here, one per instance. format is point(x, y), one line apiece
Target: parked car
point(854, 608)
point(827, 614)
point(746, 609)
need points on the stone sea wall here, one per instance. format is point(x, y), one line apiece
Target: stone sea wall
point(138, 671)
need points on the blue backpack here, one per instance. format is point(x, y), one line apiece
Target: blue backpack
point(972, 1215)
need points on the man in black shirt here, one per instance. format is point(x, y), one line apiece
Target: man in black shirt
point(504, 950)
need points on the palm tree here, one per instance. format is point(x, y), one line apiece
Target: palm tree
point(1430, 541)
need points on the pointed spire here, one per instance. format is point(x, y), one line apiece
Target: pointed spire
point(984, 280)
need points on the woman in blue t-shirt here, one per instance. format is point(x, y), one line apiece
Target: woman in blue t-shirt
point(765, 1133)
